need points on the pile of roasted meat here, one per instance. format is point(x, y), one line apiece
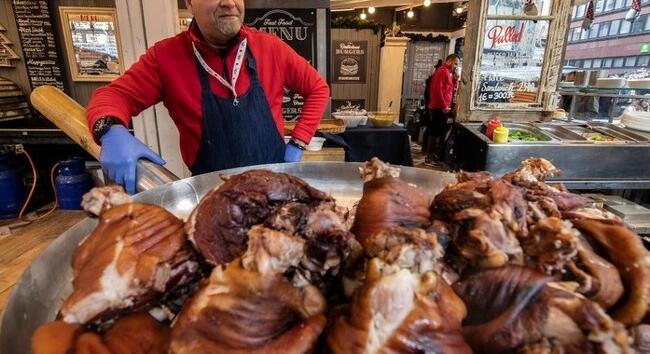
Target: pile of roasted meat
point(268, 264)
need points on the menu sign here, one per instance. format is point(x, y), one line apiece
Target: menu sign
point(37, 40)
point(349, 60)
point(296, 27)
point(511, 62)
point(421, 61)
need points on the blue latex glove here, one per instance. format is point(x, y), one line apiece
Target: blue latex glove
point(120, 154)
point(292, 153)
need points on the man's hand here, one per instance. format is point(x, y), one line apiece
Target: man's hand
point(120, 154)
point(292, 153)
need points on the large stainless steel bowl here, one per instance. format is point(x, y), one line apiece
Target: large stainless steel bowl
point(42, 288)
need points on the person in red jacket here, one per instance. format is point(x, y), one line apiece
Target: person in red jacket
point(223, 84)
point(441, 92)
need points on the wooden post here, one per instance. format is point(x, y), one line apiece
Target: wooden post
point(391, 73)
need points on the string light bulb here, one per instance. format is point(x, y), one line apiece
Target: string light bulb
point(427, 3)
point(410, 14)
point(371, 10)
point(363, 15)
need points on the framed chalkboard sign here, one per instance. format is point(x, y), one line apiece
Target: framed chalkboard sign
point(92, 43)
point(297, 28)
point(513, 46)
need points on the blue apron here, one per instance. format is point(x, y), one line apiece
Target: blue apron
point(236, 136)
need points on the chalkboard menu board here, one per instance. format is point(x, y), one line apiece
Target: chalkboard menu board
point(511, 62)
point(37, 39)
point(297, 27)
point(349, 60)
point(421, 58)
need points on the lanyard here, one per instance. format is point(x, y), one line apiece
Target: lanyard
point(239, 59)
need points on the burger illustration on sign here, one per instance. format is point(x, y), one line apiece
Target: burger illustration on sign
point(349, 67)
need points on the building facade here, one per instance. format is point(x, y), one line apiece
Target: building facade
point(612, 43)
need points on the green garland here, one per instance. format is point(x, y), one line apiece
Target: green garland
point(414, 37)
point(354, 22)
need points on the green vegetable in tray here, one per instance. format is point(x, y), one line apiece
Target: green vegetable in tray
point(523, 136)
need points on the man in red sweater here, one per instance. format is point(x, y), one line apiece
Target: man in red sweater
point(223, 84)
point(441, 91)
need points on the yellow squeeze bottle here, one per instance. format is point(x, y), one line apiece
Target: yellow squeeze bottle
point(500, 135)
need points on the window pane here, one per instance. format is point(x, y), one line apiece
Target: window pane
point(584, 34)
point(645, 2)
point(604, 29)
point(593, 32)
point(599, 6)
point(607, 63)
point(613, 28)
point(630, 62)
point(597, 63)
point(587, 64)
point(609, 5)
point(639, 24)
point(620, 4)
point(643, 61)
point(581, 11)
point(510, 70)
point(618, 62)
point(625, 27)
point(576, 34)
point(628, 3)
point(514, 7)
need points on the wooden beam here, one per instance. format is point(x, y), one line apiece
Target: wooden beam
point(357, 4)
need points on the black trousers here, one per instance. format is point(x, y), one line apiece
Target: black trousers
point(436, 130)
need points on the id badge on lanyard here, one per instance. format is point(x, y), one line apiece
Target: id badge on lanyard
point(239, 59)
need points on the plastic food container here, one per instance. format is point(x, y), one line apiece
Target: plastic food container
point(316, 144)
point(351, 121)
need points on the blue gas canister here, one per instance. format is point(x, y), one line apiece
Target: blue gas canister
point(12, 190)
point(72, 183)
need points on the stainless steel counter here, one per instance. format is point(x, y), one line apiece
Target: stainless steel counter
point(586, 164)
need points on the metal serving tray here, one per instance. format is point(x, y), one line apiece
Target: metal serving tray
point(48, 281)
point(561, 133)
point(583, 130)
point(613, 130)
point(528, 128)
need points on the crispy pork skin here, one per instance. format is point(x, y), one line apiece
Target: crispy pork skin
point(397, 311)
point(137, 253)
point(220, 222)
point(626, 251)
point(388, 202)
point(137, 333)
point(249, 306)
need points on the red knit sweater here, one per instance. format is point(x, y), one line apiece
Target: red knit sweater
point(167, 72)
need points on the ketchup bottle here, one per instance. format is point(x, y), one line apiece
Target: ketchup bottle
point(492, 124)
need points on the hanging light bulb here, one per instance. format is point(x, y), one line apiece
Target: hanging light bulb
point(459, 10)
point(371, 10)
point(363, 15)
point(410, 14)
point(427, 3)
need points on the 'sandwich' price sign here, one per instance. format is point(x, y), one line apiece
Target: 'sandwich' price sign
point(349, 60)
point(511, 62)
